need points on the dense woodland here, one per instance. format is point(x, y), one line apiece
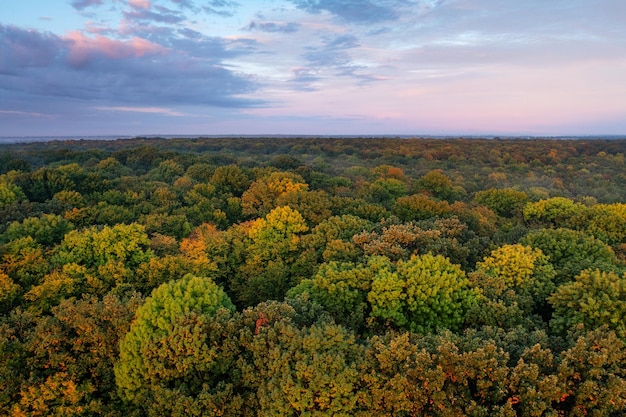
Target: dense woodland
point(313, 277)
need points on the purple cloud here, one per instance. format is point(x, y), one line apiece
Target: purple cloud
point(105, 70)
point(22, 48)
point(224, 8)
point(273, 27)
point(357, 11)
point(162, 15)
point(83, 4)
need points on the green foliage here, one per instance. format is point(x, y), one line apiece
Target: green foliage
point(47, 229)
point(9, 193)
point(595, 298)
point(230, 179)
point(448, 237)
point(272, 263)
point(506, 202)
point(73, 352)
point(386, 190)
point(9, 291)
point(341, 288)
point(592, 374)
point(331, 239)
point(173, 349)
point(554, 211)
point(571, 252)
point(25, 261)
point(95, 246)
point(261, 197)
point(423, 294)
point(437, 183)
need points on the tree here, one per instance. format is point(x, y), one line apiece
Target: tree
point(420, 207)
point(522, 269)
point(331, 239)
point(604, 221)
point(72, 352)
point(173, 360)
point(595, 298)
point(47, 229)
point(230, 179)
point(437, 183)
point(98, 246)
point(341, 288)
point(442, 375)
point(9, 193)
point(571, 252)
point(272, 260)
point(506, 202)
point(423, 294)
point(9, 291)
point(386, 190)
point(305, 371)
point(261, 197)
point(592, 374)
point(555, 211)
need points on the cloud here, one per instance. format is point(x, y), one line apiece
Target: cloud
point(133, 72)
point(224, 8)
point(83, 4)
point(84, 49)
point(187, 4)
point(139, 4)
point(333, 59)
point(25, 113)
point(161, 15)
point(273, 27)
point(346, 41)
point(356, 11)
point(21, 48)
point(151, 110)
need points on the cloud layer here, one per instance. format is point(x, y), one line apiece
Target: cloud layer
point(363, 66)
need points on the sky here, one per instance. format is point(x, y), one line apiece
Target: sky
point(312, 67)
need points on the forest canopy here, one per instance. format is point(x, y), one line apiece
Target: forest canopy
point(313, 276)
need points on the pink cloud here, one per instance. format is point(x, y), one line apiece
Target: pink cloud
point(139, 4)
point(82, 48)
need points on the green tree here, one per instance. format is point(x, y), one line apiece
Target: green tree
point(47, 229)
point(506, 202)
point(272, 264)
point(423, 294)
point(592, 374)
point(9, 291)
point(230, 179)
point(173, 360)
point(439, 184)
point(98, 246)
point(555, 211)
point(331, 240)
point(595, 298)
point(571, 252)
point(9, 193)
point(341, 288)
